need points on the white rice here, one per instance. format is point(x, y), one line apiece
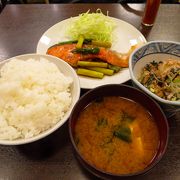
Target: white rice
point(34, 96)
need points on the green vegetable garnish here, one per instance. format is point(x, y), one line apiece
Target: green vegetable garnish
point(162, 78)
point(154, 63)
point(96, 26)
point(86, 41)
point(64, 42)
point(127, 117)
point(101, 44)
point(86, 50)
point(149, 81)
point(105, 71)
point(102, 122)
point(80, 42)
point(147, 67)
point(89, 73)
point(115, 68)
point(92, 64)
point(123, 133)
point(176, 80)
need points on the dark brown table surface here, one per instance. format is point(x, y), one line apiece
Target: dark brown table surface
point(21, 26)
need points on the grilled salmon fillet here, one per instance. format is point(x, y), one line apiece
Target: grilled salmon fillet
point(65, 53)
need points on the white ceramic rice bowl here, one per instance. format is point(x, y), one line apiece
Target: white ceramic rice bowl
point(67, 70)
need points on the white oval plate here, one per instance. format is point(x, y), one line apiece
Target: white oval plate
point(124, 36)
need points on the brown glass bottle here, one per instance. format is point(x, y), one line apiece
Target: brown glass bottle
point(150, 12)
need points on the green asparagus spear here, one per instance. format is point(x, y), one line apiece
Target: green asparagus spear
point(86, 50)
point(101, 44)
point(67, 42)
point(90, 73)
point(62, 43)
point(115, 68)
point(86, 41)
point(92, 64)
point(105, 71)
point(80, 42)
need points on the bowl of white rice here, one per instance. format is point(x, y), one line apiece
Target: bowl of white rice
point(37, 95)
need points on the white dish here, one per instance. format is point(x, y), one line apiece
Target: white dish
point(67, 70)
point(125, 35)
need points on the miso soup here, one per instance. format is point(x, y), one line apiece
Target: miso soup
point(117, 135)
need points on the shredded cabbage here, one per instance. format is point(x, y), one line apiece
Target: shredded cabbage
point(96, 26)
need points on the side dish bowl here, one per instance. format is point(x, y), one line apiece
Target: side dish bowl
point(157, 51)
point(74, 90)
point(134, 95)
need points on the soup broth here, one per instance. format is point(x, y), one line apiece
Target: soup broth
point(117, 135)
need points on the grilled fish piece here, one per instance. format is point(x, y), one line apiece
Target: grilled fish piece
point(65, 52)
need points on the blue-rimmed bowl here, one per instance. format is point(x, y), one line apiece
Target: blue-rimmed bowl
point(154, 51)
